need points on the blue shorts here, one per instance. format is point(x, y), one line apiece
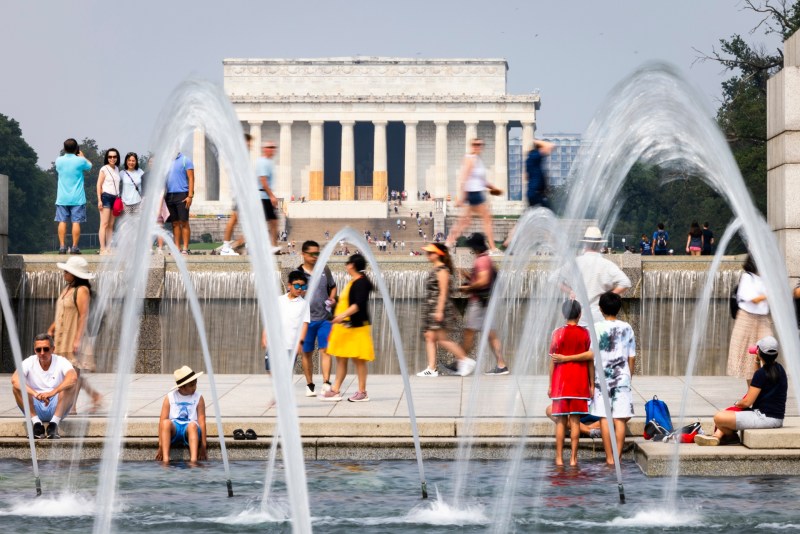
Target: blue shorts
point(180, 432)
point(76, 214)
point(46, 413)
point(318, 331)
point(475, 198)
point(108, 200)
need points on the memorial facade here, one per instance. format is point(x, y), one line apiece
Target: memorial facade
point(349, 130)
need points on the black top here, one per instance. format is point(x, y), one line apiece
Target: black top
point(708, 235)
point(359, 295)
point(771, 401)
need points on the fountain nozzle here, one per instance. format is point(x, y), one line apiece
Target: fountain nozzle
point(230, 487)
point(621, 494)
point(38, 487)
point(424, 490)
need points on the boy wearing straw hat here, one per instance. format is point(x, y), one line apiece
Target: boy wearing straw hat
point(183, 418)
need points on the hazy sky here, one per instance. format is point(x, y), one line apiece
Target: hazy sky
point(103, 69)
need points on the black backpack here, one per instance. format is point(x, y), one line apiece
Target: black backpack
point(661, 240)
point(733, 301)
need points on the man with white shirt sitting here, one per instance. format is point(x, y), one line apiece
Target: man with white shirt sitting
point(50, 382)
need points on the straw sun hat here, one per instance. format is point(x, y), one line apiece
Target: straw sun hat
point(184, 375)
point(76, 266)
point(593, 235)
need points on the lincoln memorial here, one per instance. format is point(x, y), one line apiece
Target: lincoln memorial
point(349, 130)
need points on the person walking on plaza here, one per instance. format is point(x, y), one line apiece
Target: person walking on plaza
point(183, 418)
point(617, 347)
point(180, 191)
point(751, 323)
point(130, 185)
point(70, 327)
point(571, 379)
point(351, 333)
point(694, 240)
point(764, 404)
point(598, 273)
point(319, 329)
point(229, 246)
point(50, 383)
point(295, 316)
point(660, 241)
point(480, 282)
point(265, 170)
point(708, 240)
point(534, 167)
point(71, 196)
point(439, 313)
point(472, 184)
point(107, 193)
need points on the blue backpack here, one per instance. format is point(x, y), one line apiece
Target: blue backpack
point(656, 411)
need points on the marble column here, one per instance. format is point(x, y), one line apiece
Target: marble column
point(500, 179)
point(316, 180)
point(255, 143)
point(440, 167)
point(284, 189)
point(199, 161)
point(380, 177)
point(410, 177)
point(347, 177)
point(527, 138)
point(472, 133)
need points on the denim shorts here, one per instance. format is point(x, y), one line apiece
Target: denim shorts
point(46, 413)
point(76, 214)
point(475, 198)
point(108, 200)
point(180, 436)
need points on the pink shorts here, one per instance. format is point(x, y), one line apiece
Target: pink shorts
point(695, 249)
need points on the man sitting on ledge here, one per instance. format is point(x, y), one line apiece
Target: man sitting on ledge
point(50, 382)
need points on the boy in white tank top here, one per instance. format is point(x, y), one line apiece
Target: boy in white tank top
point(183, 418)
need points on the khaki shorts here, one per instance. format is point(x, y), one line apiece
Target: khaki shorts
point(475, 315)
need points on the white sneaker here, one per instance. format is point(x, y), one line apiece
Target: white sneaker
point(276, 250)
point(495, 252)
point(310, 392)
point(428, 372)
point(228, 251)
point(326, 387)
point(466, 367)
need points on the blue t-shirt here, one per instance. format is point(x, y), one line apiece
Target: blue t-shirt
point(645, 247)
point(265, 167)
point(771, 400)
point(70, 180)
point(533, 165)
point(177, 179)
point(664, 236)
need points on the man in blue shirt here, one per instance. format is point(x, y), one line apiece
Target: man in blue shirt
point(180, 190)
point(265, 170)
point(71, 196)
point(660, 241)
point(537, 182)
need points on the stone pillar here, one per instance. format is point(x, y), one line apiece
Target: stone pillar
point(472, 133)
point(3, 221)
point(316, 180)
point(380, 178)
point(440, 185)
point(500, 179)
point(527, 138)
point(410, 178)
point(783, 155)
point(347, 177)
point(285, 163)
point(255, 144)
point(199, 160)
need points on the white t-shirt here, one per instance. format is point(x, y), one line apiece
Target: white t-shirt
point(40, 380)
point(183, 408)
point(599, 275)
point(476, 181)
point(750, 286)
point(110, 180)
point(294, 312)
point(131, 186)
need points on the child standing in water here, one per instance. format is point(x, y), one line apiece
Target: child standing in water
point(571, 379)
point(617, 347)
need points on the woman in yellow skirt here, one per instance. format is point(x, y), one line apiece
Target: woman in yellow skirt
point(351, 333)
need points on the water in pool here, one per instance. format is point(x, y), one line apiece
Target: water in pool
point(384, 497)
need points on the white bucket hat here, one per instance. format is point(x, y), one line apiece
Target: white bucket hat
point(184, 375)
point(593, 235)
point(76, 266)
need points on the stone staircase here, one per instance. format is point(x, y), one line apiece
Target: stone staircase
point(300, 230)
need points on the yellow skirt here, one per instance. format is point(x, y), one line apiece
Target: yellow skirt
point(351, 342)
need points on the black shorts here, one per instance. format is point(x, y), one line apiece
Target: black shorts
point(269, 210)
point(178, 212)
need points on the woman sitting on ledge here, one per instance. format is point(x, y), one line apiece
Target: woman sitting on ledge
point(762, 407)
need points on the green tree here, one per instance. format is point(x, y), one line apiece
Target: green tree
point(31, 192)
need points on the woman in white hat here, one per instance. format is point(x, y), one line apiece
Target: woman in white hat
point(72, 318)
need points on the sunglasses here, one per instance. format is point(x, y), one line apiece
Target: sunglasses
point(113, 157)
point(315, 254)
point(300, 286)
point(42, 349)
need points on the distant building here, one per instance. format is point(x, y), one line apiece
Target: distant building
point(516, 174)
point(560, 161)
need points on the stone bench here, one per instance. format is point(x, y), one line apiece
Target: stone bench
point(787, 437)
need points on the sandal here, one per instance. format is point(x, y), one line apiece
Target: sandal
point(250, 434)
point(238, 434)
